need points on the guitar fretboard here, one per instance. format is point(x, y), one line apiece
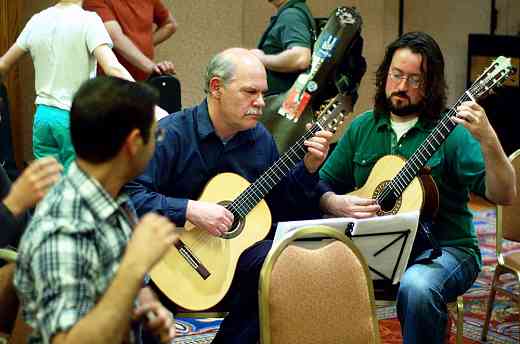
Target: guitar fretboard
point(255, 192)
point(425, 151)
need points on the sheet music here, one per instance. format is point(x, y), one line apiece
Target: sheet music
point(385, 241)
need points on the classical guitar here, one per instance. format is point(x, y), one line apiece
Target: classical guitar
point(197, 272)
point(394, 181)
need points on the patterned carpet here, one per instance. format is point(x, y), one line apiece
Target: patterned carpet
point(504, 324)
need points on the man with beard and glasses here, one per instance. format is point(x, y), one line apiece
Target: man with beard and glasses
point(222, 134)
point(410, 98)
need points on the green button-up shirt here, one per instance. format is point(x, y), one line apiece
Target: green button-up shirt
point(457, 168)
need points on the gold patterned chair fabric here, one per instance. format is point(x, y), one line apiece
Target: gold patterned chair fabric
point(316, 295)
point(507, 228)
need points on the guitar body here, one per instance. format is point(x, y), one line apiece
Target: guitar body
point(393, 176)
point(384, 170)
point(179, 281)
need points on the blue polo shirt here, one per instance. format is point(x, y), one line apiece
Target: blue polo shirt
point(192, 153)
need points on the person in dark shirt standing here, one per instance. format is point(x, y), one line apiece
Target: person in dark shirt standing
point(285, 46)
point(285, 51)
point(222, 135)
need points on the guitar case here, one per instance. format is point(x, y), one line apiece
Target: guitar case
point(337, 66)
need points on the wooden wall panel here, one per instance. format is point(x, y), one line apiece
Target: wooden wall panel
point(508, 18)
point(206, 27)
point(10, 21)
point(449, 23)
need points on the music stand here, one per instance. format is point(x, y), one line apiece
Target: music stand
point(385, 241)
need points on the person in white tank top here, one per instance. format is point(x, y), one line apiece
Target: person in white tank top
point(65, 43)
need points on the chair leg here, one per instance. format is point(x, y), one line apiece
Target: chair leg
point(460, 320)
point(456, 316)
point(515, 299)
point(490, 303)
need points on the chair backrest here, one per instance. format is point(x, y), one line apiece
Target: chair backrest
point(169, 88)
point(8, 255)
point(316, 295)
point(508, 217)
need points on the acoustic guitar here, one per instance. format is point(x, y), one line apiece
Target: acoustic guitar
point(393, 181)
point(197, 272)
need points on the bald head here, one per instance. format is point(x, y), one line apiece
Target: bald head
point(227, 63)
point(235, 83)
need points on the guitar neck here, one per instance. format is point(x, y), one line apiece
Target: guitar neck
point(255, 192)
point(426, 150)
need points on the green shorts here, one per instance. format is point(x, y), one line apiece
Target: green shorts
point(51, 134)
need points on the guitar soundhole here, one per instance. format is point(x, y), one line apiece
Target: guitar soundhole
point(236, 227)
point(385, 196)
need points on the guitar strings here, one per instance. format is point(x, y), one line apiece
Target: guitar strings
point(445, 122)
point(248, 199)
point(399, 183)
point(256, 191)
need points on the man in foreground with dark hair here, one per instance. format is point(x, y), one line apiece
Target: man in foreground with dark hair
point(83, 259)
point(410, 99)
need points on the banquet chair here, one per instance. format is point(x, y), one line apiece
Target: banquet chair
point(9, 302)
point(319, 294)
point(507, 228)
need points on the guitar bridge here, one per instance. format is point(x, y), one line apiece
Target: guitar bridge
point(192, 260)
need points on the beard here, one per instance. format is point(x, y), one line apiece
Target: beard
point(404, 110)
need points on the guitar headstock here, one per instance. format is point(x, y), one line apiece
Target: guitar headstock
point(494, 76)
point(333, 113)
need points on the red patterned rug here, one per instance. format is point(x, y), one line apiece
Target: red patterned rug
point(504, 326)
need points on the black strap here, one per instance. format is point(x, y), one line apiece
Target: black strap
point(426, 236)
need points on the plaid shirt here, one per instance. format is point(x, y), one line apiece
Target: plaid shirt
point(70, 253)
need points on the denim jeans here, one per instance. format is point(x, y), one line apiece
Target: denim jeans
point(425, 289)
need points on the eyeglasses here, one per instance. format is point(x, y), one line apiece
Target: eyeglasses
point(414, 81)
point(160, 133)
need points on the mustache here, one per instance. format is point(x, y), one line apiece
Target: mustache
point(254, 111)
point(400, 94)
